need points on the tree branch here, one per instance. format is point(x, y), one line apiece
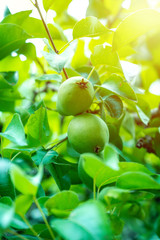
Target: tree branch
point(48, 33)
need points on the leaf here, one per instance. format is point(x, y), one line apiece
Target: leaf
point(18, 223)
point(113, 196)
point(12, 37)
point(135, 25)
point(143, 110)
point(35, 28)
point(26, 184)
point(50, 77)
point(79, 59)
point(116, 84)
point(38, 128)
point(59, 174)
point(6, 185)
point(28, 50)
point(111, 157)
point(7, 212)
point(17, 18)
point(89, 27)
point(137, 180)
point(56, 5)
point(14, 129)
point(113, 105)
point(103, 174)
point(103, 55)
point(61, 204)
point(10, 77)
point(84, 72)
point(57, 61)
point(82, 225)
point(45, 157)
point(23, 203)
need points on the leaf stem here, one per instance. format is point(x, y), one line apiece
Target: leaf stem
point(91, 73)
point(94, 188)
point(44, 218)
point(56, 145)
point(29, 225)
point(48, 33)
point(66, 45)
point(16, 234)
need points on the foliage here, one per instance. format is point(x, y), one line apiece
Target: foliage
point(47, 189)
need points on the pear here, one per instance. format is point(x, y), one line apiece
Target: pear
point(88, 133)
point(75, 96)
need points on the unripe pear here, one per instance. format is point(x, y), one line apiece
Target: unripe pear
point(75, 96)
point(88, 133)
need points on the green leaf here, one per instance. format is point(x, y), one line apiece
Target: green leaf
point(17, 18)
point(45, 157)
point(57, 61)
point(143, 110)
point(61, 204)
point(103, 55)
point(50, 77)
point(23, 203)
point(26, 184)
point(113, 105)
point(111, 157)
point(18, 223)
point(56, 5)
point(3, 83)
point(137, 180)
point(38, 128)
point(7, 212)
point(87, 221)
point(11, 38)
point(14, 129)
point(84, 72)
point(116, 84)
point(35, 28)
point(79, 59)
point(135, 25)
point(89, 27)
point(10, 77)
point(29, 50)
point(103, 174)
point(113, 196)
point(6, 185)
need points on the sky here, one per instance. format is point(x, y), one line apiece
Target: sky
point(77, 8)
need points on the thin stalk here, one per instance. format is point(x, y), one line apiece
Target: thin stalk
point(44, 218)
point(56, 145)
point(15, 156)
point(66, 45)
point(48, 33)
point(30, 226)
point(1, 146)
point(91, 73)
point(94, 188)
point(16, 234)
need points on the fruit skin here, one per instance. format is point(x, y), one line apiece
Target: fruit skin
point(75, 96)
point(88, 133)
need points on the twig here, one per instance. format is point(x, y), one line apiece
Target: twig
point(29, 225)
point(44, 218)
point(91, 73)
point(16, 234)
point(66, 45)
point(56, 145)
point(48, 33)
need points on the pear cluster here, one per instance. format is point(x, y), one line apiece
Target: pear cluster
point(86, 132)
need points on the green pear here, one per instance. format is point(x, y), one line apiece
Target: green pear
point(75, 96)
point(88, 133)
